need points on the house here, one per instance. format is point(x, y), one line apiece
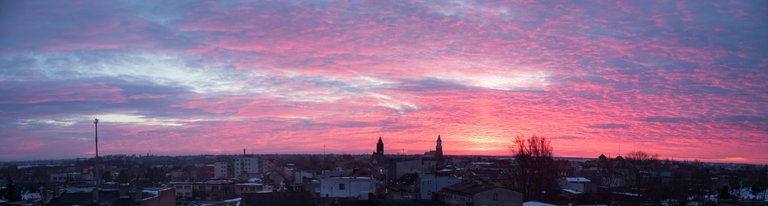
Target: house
point(465, 194)
point(398, 168)
point(299, 177)
point(251, 187)
point(147, 197)
point(212, 190)
point(576, 185)
point(346, 187)
point(65, 177)
point(433, 183)
point(183, 189)
point(278, 199)
point(535, 203)
point(159, 197)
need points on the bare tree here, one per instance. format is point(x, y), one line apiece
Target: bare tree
point(642, 159)
point(642, 163)
point(536, 172)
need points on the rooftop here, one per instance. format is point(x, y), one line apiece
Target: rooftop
point(577, 179)
point(468, 188)
point(361, 178)
point(534, 203)
point(249, 184)
point(111, 198)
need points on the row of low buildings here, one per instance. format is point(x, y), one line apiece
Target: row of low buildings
point(231, 180)
point(431, 177)
point(215, 190)
point(92, 196)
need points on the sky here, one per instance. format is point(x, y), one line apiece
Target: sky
point(687, 80)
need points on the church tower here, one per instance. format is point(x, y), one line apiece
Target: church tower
point(439, 149)
point(380, 151)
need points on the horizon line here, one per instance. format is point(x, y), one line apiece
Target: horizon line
point(460, 155)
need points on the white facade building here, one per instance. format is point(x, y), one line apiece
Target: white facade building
point(249, 165)
point(346, 187)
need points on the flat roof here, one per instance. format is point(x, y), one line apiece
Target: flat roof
point(577, 179)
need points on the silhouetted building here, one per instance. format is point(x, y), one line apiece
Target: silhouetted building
point(145, 197)
point(439, 149)
point(221, 169)
point(278, 199)
point(212, 190)
point(433, 183)
point(398, 168)
point(251, 187)
point(380, 151)
point(436, 154)
point(465, 194)
point(573, 186)
point(160, 197)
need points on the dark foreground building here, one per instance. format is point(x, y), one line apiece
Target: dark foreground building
point(278, 199)
point(152, 197)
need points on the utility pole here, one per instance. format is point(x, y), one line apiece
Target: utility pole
point(96, 174)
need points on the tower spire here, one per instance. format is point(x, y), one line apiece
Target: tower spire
point(439, 149)
point(380, 151)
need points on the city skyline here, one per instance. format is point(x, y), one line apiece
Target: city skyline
point(682, 79)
